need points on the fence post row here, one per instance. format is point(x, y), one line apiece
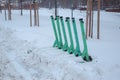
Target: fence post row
point(58, 30)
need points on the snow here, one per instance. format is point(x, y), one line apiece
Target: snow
point(26, 53)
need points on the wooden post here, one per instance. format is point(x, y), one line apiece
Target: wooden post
point(0, 6)
point(37, 14)
point(5, 10)
point(92, 19)
point(21, 7)
point(98, 21)
point(87, 16)
point(9, 10)
point(90, 2)
point(30, 13)
point(89, 19)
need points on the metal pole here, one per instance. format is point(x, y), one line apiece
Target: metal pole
point(85, 55)
point(65, 46)
point(71, 48)
point(77, 51)
point(59, 33)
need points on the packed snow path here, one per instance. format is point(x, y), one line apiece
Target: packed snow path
point(31, 63)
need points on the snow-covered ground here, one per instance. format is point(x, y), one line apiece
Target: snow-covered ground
point(26, 53)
